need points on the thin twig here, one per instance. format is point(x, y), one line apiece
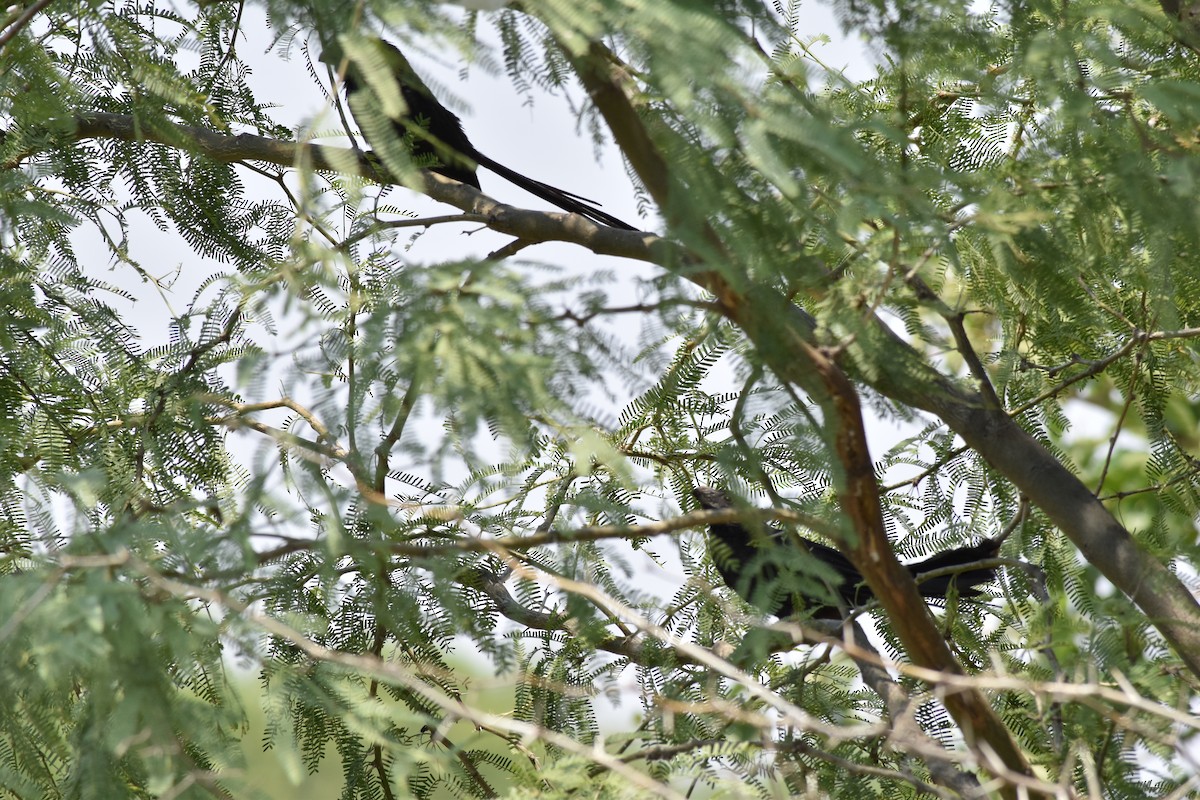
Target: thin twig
point(375, 667)
point(19, 24)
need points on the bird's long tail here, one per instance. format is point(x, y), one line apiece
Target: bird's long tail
point(553, 195)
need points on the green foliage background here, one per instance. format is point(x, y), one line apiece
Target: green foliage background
point(1030, 169)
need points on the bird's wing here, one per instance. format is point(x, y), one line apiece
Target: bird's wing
point(963, 581)
point(773, 570)
point(389, 99)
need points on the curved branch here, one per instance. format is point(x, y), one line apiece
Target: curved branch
point(535, 226)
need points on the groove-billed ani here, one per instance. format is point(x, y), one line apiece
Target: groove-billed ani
point(775, 571)
point(435, 136)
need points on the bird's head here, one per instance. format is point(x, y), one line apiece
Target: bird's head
point(369, 61)
point(711, 498)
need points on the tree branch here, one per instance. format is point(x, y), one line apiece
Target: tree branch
point(872, 553)
point(536, 226)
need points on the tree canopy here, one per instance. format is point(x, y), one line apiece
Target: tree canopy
point(396, 482)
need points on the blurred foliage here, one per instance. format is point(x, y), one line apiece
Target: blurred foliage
point(1029, 170)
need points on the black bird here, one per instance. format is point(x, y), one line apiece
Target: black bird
point(775, 571)
point(434, 135)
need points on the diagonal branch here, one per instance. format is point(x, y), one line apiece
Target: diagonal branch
point(535, 226)
point(868, 547)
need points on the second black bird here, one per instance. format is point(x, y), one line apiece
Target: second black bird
point(775, 571)
point(435, 137)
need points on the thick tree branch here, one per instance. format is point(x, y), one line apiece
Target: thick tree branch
point(882, 360)
point(893, 368)
point(866, 544)
point(534, 226)
point(888, 364)
point(608, 86)
point(907, 736)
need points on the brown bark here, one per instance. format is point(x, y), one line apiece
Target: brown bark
point(796, 360)
point(889, 365)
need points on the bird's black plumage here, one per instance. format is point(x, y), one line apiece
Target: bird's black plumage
point(783, 574)
point(437, 141)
